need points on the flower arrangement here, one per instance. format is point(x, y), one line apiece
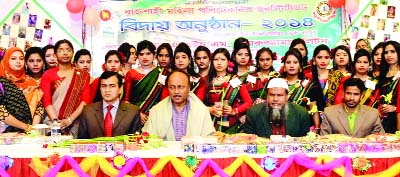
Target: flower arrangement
point(224, 88)
point(361, 163)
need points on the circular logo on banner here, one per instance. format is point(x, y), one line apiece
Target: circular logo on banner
point(324, 12)
point(105, 15)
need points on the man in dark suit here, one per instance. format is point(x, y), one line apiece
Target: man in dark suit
point(277, 116)
point(109, 117)
point(350, 118)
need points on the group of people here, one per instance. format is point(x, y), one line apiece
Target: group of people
point(173, 93)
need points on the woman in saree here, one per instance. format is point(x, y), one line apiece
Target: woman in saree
point(15, 115)
point(300, 45)
point(264, 72)
point(13, 68)
point(320, 71)
point(83, 61)
point(302, 90)
point(227, 98)
point(361, 64)
point(66, 89)
point(184, 61)
point(35, 63)
point(146, 92)
point(376, 59)
point(388, 86)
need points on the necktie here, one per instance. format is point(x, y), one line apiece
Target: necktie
point(108, 122)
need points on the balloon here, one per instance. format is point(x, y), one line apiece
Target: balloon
point(91, 17)
point(336, 3)
point(76, 17)
point(91, 3)
point(75, 6)
point(351, 6)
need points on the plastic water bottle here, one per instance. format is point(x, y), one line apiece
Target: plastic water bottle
point(55, 130)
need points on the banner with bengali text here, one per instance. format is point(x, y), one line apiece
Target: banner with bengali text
point(216, 23)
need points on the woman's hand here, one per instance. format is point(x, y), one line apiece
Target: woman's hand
point(64, 123)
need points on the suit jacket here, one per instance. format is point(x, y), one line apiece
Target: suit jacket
point(336, 122)
point(298, 121)
point(198, 123)
point(126, 120)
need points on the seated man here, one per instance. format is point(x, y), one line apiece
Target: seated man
point(181, 113)
point(109, 117)
point(277, 116)
point(350, 118)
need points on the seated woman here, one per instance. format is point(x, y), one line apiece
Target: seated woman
point(302, 90)
point(227, 97)
point(14, 70)
point(15, 115)
point(361, 64)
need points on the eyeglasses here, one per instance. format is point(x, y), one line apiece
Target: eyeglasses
point(64, 50)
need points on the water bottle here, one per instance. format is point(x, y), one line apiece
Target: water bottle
point(55, 130)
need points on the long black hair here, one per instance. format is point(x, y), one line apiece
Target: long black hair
point(347, 50)
point(319, 48)
point(297, 54)
point(212, 73)
point(384, 67)
point(258, 54)
point(183, 47)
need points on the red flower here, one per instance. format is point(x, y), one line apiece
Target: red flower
point(123, 57)
point(332, 53)
point(305, 99)
point(225, 85)
point(54, 159)
point(45, 146)
point(274, 56)
point(265, 80)
point(231, 64)
point(250, 63)
point(145, 134)
point(282, 58)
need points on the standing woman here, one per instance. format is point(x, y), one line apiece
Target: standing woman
point(128, 54)
point(387, 84)
point(66, 89)
point(376, 59)
point(342, 60)
point(50, 56)
point(302, 91)
point(83, 61)
point(147, 91)
point(183, 61)
point(13, 68)
point(220, 87)
point(35, 64)
point(300, 45)
point(361, 64)
point(264, 72)
point(341, 69)
point(320, 71)
point(241, 56)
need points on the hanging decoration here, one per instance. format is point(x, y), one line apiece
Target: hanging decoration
point(75, 6)
point(91, 17)
point(351, 6)
point(361, 163)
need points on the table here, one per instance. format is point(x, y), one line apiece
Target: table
point(22, 154)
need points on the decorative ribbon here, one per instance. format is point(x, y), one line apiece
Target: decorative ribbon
point(3, 173)
point(325, 169)
point(132, 163)
point(208, 162)
point(91, 163)
point(75, 166)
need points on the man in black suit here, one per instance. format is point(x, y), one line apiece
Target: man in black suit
point(109, 117)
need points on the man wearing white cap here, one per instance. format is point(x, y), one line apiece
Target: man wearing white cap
point(277, 116)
